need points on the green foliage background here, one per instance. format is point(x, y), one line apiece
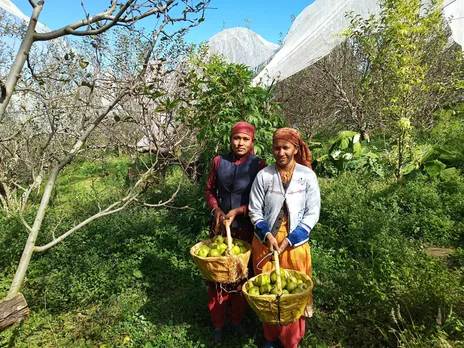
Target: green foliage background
point(129, 280)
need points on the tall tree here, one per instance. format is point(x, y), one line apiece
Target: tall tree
point(76, 93)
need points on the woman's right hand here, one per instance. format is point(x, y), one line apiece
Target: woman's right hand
point(219, 216)
point(272, 242)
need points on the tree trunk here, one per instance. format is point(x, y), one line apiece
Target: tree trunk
point(365, 135)
point(12, 311)
point(20, 59)
point(33, 233)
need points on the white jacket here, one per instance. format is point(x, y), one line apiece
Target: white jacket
point(303, 201)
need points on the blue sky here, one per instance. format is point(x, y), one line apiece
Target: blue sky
point(268, 17)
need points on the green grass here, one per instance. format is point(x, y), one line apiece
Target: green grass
point(128, 279)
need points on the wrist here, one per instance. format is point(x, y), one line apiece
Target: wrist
point(213, 210)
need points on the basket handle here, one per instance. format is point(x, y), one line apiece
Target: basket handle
point(277, 269)
point(229, 237)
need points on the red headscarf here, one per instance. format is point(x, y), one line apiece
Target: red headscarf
point(303, 156)
point(246, 128)
point(243, 127)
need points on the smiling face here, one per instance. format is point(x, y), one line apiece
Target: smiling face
point(241, 144)
point(284, 153)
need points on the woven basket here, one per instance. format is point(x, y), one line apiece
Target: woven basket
point(222, 269)
point(279, 309)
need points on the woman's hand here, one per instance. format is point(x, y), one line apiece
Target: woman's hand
point(233, 213)
point(219, 216)
point(272, 242)
point(283, 245)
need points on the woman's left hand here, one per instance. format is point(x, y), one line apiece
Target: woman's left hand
point(232, 214)
point(283, 245)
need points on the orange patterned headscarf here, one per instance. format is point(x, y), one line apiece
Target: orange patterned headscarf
point(303, 156)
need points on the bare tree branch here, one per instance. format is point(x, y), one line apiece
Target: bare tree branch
point(108, 16)
point(33, 3)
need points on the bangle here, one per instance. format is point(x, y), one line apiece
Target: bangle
point(212, 210)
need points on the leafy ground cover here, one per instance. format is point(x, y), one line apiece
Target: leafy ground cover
point(128, 279)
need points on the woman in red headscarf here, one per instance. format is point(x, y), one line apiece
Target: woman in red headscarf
point(284, 207)
point(227, 195)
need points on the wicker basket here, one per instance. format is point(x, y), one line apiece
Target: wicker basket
point(223, 269)
point(279, 309)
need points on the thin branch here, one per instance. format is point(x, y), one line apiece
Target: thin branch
point(131, 196)
point(173, 196)
point(104, 16)
point(107, 211)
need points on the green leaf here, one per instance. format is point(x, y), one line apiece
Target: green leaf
point(137, 274)
point(408, 168)
point(449, 174)
point(357, 149)
point(344, 143)
point(433, 168)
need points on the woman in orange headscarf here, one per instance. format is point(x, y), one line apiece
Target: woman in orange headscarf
point(284, 207)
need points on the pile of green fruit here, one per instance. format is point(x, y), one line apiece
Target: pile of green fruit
point(266, 284)
point(218, 248)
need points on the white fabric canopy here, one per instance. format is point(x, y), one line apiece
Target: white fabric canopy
point(242, 46)
point(315, 33)
point(8, 6)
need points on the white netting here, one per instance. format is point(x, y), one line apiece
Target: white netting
point(243, 46)
point(8, 6)
point(315, 33)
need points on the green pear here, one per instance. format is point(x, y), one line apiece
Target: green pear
point(273, 277)
point(292, 279)
point(236, 250)
point(253, 291)
point(291, 286)
point(265, 288)
point(203, 252)
point(214, 253)
point(239, 242)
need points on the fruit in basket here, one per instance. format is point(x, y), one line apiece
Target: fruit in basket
point(262, 279)
point(292, 279)
point(222, 247)
point(266, 283)
point(291, 286)
point(214, 253)
point(239, 242)
point(296, 291)
point(213, 245)
point(254, 290)
point(219, 239)
point(235, 250)
point(273, 276)
point(265, 288)
point(243, 249)
point(204, 251)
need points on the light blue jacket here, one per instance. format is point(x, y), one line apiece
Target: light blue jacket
point(303, 201)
